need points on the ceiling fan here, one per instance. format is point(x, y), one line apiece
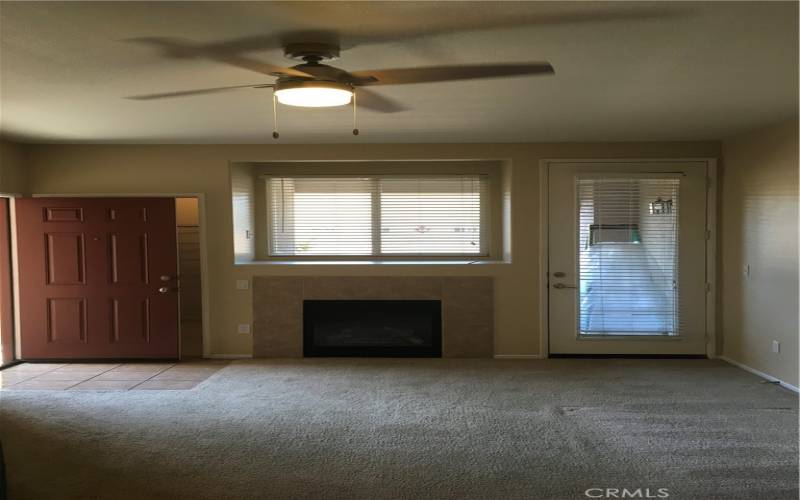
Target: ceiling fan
point(315, 84)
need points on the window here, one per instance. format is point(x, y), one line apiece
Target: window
point(435, 215)
point(628, 247)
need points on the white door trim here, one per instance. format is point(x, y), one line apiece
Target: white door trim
point(711, 242)
point(712, 348)
point(201, 209)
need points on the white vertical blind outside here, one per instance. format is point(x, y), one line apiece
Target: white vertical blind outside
point(628, 266)
point(377, 215)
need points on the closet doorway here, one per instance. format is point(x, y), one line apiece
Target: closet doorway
point(187, 211)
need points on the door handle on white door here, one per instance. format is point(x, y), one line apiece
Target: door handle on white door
point(562, 285)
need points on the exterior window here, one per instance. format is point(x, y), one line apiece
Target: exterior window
point(377, 215)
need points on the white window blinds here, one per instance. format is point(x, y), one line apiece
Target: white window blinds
point(433, 215)
point(377, 215)
point(243, 215)
point(321, 216)
point(628, 247)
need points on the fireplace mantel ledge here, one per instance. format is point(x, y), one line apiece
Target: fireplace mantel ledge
point(372, 262)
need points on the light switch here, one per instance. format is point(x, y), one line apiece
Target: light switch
point(776, 347)
point(242, 284)
point(746, 270)
point(244, 328)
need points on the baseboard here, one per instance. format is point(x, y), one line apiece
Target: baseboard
point(760, 373)
point(556, 355)
point(517, 356)
point(228, 356)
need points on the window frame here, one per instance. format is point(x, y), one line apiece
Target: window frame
point(488, 246)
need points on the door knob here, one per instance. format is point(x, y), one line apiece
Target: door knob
point(562, 285)
point(165, 289)
point(166, 277)
point(559, 274)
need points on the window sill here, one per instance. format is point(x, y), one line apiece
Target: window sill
point(377, 262)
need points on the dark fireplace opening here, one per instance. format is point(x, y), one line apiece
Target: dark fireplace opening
point(372, 328)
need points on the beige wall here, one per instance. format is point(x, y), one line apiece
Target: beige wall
point(759, 229)
point(13, 171)
point(205, 169)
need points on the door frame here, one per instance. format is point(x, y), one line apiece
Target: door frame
point(201, 213)
point(712, 346)
point(12, 229)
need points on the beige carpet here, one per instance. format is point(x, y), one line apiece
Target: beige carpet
point(416, 429)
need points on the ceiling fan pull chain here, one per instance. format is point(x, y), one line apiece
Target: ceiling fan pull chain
point(355, 118)
point(275, 133)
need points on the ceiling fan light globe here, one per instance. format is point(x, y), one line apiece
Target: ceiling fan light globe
point(314, 94)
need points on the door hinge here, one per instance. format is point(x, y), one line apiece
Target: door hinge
point(708, 287)
point(708, 234)
point(708, 183)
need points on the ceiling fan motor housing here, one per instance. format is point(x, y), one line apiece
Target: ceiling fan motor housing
point(311, 52)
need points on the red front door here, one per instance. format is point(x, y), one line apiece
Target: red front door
point(98, 278)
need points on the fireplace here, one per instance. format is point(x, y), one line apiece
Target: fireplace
point(372, 328)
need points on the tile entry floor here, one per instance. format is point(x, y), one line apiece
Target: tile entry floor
point(108, 376)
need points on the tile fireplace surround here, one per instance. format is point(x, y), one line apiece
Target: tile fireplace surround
point(467, 309)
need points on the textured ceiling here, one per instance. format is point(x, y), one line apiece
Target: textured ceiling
point(624, 71)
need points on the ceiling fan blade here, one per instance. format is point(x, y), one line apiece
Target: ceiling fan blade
point(429, 74)
point(179, 48)
point(274, 41)
point(369, 99)
point(370, 23)
point(183, 93)
point(254, 65)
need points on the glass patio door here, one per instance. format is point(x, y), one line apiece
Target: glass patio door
point(627, 258)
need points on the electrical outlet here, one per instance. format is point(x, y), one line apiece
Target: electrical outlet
point(244, 328)
point(776, 347)
point(242, 284)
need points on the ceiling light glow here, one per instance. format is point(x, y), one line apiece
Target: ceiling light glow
point(313, 94)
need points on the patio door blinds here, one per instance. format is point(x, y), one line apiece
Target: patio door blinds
point(441, 215)
point(628, 248)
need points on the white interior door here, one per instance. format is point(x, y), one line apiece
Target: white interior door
point(627, 258)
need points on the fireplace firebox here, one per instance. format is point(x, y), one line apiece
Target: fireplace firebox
point(372, 328)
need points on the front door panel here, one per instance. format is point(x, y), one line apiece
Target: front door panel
point(90, 274)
